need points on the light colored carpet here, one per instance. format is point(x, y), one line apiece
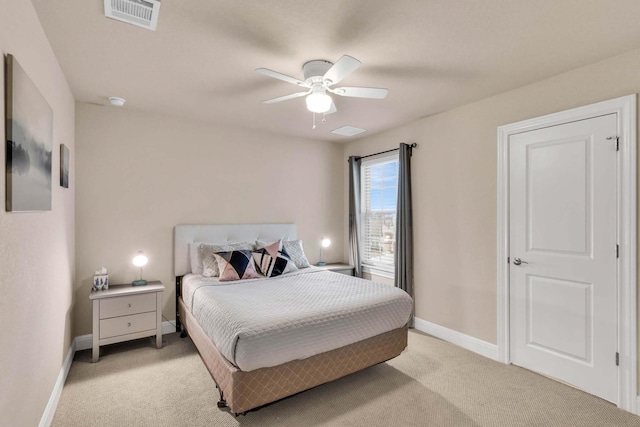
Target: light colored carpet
point(433, 383)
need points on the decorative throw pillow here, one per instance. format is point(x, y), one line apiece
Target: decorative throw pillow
point(294, 249)
point(296, 253)
point(273, 260)
point(195, 257)
point(209, 263)
point(235, 265)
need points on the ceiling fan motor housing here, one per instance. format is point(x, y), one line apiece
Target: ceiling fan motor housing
point(315, 70)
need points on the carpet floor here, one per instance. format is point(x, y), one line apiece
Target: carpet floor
point(433, 383)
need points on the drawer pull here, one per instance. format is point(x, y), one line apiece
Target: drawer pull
point(129, 324)
point(129, 305)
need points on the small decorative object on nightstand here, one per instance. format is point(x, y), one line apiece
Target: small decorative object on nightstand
point(126, 312)
point(338, 268)
point(324, 243)
point(140, 261)
point(100, 280)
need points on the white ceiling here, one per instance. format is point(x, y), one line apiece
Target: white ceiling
point(432, 55)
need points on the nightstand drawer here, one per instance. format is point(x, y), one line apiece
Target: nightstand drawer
point(127, 325)
point(337, 268)
point(128, 304)
point(348, 271)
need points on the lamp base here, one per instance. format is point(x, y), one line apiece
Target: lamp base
point(321, 264)
point(138, 283)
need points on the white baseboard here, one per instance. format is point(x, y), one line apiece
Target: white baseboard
point(82, 342)
point(458, 338)
point(50, 410)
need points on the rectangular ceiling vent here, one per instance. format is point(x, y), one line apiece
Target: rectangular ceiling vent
point(143, 13)
point(347, 131)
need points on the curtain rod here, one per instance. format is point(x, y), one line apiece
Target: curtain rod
point(414, 145)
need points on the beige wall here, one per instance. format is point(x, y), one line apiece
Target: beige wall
point(141, 174)
point(36, 249)
point(455, 188)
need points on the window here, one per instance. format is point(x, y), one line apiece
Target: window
point(379, 180)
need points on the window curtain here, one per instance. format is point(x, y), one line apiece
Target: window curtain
point(354, 215)
point(404, 225)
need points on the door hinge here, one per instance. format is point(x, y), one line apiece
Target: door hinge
point(617, 138)
point(617, 251)
point(508, 260)
point(617, 359)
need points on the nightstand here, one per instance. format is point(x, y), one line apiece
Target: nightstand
point(125, 312)
point(338, 268)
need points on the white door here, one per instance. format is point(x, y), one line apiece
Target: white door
point(562, 249)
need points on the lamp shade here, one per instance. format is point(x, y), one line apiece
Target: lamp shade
point(140, 259)
point(319, 102)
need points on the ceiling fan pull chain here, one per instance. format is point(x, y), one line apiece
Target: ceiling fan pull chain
point(314, 121)
point(324, 118)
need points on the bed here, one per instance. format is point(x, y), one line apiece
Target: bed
point(268, 338)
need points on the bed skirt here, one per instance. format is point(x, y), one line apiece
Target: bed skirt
point(244, 391)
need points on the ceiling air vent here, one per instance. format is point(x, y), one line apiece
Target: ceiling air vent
point(143, 13)
point(347, 131)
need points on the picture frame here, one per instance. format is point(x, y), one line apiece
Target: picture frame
point(64, 166)
point(29, 134)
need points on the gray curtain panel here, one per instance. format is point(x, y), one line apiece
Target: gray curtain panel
point(354, 215)
point(404, 225)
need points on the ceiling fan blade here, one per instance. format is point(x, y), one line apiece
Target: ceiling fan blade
point(286, 97)
point(333, 109)
point(361, 92)
point(276, 75)
point(341, 69)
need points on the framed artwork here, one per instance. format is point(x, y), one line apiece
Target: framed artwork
point(64, 166)
point(29, 132)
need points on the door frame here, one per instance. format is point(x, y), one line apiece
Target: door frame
point(625, 108)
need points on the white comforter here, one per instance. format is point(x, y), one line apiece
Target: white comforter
point(266, 322)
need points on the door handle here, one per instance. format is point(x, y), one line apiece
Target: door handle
point(518, 261)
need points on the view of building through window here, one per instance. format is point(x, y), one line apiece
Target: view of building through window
point(379, 179)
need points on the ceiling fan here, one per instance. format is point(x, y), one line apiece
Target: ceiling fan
point(319, 76)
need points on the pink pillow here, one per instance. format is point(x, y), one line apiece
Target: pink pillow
point(273, 260)
point(235, 265)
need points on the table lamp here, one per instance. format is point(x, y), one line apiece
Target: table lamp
point(139, 261)
point(324, 243)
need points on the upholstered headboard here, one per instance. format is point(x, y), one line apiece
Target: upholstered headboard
point(221, 233)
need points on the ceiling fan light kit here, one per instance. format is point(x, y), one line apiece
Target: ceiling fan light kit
point(319, 76)
point(318, 101)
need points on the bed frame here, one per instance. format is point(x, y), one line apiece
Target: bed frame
point(243, 391)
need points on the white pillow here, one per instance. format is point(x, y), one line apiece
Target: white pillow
point(195, 258)
point(294, 249)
